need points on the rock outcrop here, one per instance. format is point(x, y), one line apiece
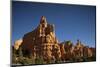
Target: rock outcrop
point(42, 42)
point(17, 44)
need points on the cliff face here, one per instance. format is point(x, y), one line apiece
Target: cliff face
point(42, 42)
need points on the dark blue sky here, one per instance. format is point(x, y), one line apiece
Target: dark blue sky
point(71, 22)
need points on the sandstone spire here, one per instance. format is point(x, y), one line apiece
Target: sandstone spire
point(42, 41)
point(43, 20)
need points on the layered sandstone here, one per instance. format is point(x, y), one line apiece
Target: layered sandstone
point(42, 42)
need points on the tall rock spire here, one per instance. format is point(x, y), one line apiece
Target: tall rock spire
point(43, 20)
point(42, 42)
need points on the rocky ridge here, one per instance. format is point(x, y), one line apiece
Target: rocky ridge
point(42, 43)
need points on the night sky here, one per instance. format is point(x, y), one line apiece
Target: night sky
point(71, 22)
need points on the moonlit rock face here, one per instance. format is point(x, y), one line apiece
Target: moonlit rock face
point(17, 43)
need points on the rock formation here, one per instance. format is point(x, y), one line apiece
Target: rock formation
point(17, 44)
point(42, 42)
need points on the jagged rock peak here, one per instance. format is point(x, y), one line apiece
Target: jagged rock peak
point(43, 20)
